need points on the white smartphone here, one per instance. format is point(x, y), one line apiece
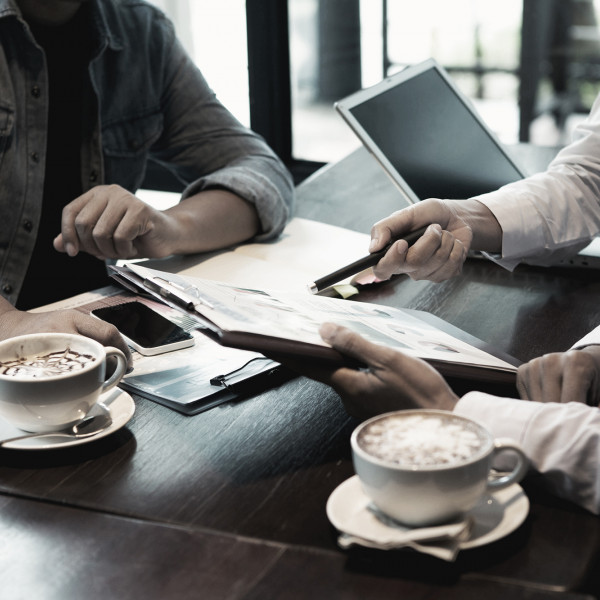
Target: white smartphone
point(144, 329)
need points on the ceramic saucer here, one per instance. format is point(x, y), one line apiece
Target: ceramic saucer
point(350, 511)
point(118, 403)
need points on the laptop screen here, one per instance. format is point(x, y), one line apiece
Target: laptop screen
point(427, 137)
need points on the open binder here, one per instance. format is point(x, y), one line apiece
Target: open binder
point(282, 325)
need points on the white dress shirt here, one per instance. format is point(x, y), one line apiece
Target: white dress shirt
point(546, 218)
point(552, 215)
point(562, 441)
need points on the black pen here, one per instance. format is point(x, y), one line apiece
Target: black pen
point(361, 264)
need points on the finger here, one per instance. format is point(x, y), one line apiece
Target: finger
point(380, 360)
point(124, 219)
point(84, 222)
point(68, 231)
point(382, 232)
point(402, 259)
point(404, 221)
point(451, 263)
point(550, 379)
point(355, 388)
point(105, 333)
point(105, 227)
point(575, 386)
point(522, 386)
point(393, 262)
point(351, 344)
point(542, 378)
point(534, 381)
point(578, 374)
point(59, 243)
point(431, 255)
point(427, 212)
point(525, 376)
point(133, 226)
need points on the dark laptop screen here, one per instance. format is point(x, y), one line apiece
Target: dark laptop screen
point(432, 139)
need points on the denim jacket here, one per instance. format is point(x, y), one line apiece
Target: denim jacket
point(149, 101)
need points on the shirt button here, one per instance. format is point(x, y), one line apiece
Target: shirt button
point(93, 176)
point(35, 91)
point(27, 225)
point(35, 157)
point(7, 288)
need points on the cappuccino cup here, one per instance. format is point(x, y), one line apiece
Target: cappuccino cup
point(427, 467)
point(50, 381)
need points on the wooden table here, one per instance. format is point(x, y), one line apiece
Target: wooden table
point(231, 503)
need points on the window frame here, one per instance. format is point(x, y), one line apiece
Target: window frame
point(269, 81)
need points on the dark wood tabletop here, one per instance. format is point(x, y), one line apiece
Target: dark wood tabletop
point(230, 503)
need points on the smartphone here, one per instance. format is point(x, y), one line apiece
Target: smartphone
point(144, 329)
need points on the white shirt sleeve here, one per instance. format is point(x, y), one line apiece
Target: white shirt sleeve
point(554, 214)
point(590, 339)
point(562, 441)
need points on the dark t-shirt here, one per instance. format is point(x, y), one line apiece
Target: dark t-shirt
point(52, 275)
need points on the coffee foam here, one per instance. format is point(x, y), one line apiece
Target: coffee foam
point(420, 440)
point(46, 365)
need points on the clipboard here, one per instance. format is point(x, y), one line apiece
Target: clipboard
point(193, 380)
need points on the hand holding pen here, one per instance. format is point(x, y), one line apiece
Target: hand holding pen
point(455, 227)
point(361, 264)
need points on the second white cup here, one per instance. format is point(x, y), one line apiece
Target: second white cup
point(424, 467)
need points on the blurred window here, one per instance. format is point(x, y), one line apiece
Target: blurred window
point(279, 66)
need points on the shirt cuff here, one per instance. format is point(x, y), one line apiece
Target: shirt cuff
point(503, 417)
point(254, 187)
point(590, 339)
point(522, 228)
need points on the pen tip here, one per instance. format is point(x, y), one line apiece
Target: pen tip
point(312, 288)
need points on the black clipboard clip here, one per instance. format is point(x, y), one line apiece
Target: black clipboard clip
point(243, 385)
point(226, 380)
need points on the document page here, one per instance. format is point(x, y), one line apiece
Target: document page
point(298, 317)
point(305, 251)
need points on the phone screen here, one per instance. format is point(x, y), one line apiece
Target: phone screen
point(142, 325)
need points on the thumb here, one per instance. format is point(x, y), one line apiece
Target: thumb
point(59, 243)
point(60, 246)
point(347, 342)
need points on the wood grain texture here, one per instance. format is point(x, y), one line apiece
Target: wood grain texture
point(51, 552)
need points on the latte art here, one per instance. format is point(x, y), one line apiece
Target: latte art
point(46, 365)
point(422, 441)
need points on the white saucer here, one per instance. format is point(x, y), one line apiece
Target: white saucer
point(119, 404)
point(494, 517)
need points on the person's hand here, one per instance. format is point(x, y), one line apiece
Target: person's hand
point(393, 381)
point(15, 322)
point(454, 227)
point(572, 376)
point(109, 222)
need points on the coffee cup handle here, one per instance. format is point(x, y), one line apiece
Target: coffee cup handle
point(119, 371)
point(520, 468)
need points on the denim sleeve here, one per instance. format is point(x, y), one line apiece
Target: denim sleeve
point(206, 146)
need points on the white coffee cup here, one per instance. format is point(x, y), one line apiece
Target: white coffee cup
point(53, 393)
point(425, 467)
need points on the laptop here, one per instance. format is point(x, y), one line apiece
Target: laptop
point(432, 143)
